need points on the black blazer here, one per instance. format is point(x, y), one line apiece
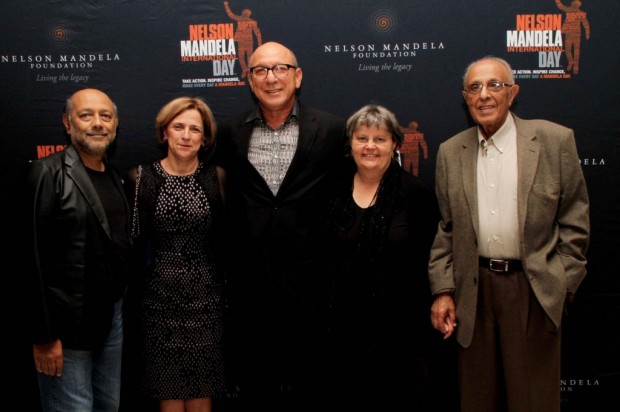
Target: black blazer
point(76, 271)
point(276, 234)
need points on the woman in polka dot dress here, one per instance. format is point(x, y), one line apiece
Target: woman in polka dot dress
point(176, 226)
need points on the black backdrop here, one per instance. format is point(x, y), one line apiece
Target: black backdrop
point(408, 55)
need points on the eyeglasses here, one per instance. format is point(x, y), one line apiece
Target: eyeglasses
point(279, 70)
point(492, 85)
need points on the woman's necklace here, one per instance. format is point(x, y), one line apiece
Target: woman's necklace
point(374, 197)
point(361, 195)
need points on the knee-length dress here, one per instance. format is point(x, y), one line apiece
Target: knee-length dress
point(182, 302)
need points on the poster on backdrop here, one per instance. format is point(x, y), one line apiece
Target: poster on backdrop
point(408, 55)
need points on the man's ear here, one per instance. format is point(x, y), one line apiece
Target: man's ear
point(66, 122)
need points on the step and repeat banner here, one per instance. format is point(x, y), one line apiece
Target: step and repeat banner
point(408, 55)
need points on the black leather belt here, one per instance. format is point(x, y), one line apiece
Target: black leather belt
point(500, 265)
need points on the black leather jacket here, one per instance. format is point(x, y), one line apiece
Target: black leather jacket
point(77, 272)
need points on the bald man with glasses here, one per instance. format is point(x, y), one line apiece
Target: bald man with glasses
point(279, 158)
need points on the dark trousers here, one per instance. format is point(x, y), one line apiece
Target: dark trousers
point(513, 363)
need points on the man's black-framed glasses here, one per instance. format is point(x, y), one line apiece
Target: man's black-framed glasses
point(279, 70)
point(492, 85)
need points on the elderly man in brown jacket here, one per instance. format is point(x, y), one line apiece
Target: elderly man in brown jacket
point(510, 247)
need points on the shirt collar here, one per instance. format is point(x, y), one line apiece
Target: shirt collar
point(257, 115)
point(500, 138)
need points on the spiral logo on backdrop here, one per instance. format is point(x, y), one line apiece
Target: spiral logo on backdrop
point(59, 33)
point(383, 22)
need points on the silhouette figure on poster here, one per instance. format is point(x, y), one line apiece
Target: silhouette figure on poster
point(247, 28)
point(410, 152)
point(571, 28)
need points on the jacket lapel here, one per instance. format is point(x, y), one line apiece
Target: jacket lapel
point(469, 176)
point(308, 129)
point(244, 133)
point(528, 151)
point(77, 172)
point(242, 138)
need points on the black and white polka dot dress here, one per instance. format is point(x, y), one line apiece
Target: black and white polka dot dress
point(182, 304)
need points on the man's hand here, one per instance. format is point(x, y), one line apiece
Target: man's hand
point(48, 358)
point(443, 314)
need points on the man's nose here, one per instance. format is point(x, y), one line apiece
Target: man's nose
point(484, 92)
point(97, 122)
point(272, 74)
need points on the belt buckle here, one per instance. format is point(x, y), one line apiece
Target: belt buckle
point(498, 265)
